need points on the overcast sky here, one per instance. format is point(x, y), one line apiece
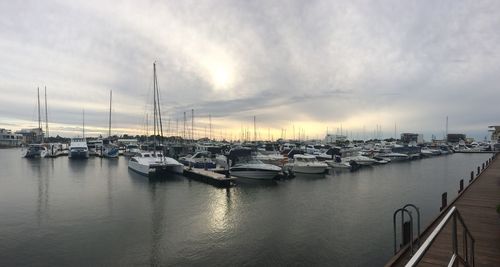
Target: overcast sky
point(308, 65)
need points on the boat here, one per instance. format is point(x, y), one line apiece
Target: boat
point(94, 146)
point(392, 156)
point(337, 163)
point(245, 165)
point(109, 150)
point(34, 151)
point(78, 149)
point(131, 150)
point(361, 160)
point(54, 150)
point(155, 163)
point(198, 160)
point(308, 164)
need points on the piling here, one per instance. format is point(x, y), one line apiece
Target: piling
point(471, 177)
point(483, 167)
point(478, 170)
point(461, 186)
point(444, 201)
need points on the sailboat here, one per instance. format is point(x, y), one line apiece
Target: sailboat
point(78, 148)
point(155, 163)
point(36, 149)
point(109, 150)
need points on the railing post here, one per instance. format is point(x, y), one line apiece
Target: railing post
point(444, 201)
point(471, 177)
point(454, 235)
point(461, 186)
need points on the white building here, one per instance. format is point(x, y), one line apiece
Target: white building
point(9, 139)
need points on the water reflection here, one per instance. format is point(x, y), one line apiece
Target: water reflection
point(42, 175)
point(157, 223)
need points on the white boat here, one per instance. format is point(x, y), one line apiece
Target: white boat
point(271, 158)
point(154, 164)
point(245, 165)
point(360, 160)
point(198, 160)
point(78, 149)
point(393, 156)
point(34, 151)
point(132, 150)
point(109, 150)
point(54, 150)
point(306, 164)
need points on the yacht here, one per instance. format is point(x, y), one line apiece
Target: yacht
point(54, 150)
point(109, 150)
point(198, 160)
point(34, 151)
point(154, 164)
point(306, 164)
point(244, 165)
point(337, 163)
point(131, 150)
point(393, 156)
point(78, 148)
point(361, 160)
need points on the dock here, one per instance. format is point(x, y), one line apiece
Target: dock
point(209, 177)
point(478, 205)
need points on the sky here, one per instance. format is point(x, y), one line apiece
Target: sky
point(298, 66)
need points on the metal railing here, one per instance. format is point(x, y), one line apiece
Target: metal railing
point(467, 257)
point(406, 237)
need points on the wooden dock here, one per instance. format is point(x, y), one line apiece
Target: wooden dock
point(478, 206)
point(209, 177)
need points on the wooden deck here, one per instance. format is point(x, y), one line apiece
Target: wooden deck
point(477, 205)
point(209, 176)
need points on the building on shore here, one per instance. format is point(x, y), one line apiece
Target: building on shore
point(408, 138)
point(455, 138)
point(9, 139)
point(495, 133)
point(30, 136)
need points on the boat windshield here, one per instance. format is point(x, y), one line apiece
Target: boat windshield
point(307, 159)
point(249, 160)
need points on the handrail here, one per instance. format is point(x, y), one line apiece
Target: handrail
point(452, 213)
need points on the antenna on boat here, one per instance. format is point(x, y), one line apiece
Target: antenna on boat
point(83, 128)
point(110, 99)
point(46, 114)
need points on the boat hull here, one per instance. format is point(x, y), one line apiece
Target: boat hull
point(155, 170)
point(254, 174)
point(309, 169)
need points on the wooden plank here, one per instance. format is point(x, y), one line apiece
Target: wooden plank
point(477, 205)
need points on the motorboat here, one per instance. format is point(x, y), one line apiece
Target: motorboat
point(393, 156)
point(361, 160)
point(154, 164)
point(78, 149)
point(306, 164)
point(54, 150)
point(109, 150)
point(198, 160)
point(34, 151)
point(337, 163)
point(245, 165)
point(271, 158)
point(131, 150)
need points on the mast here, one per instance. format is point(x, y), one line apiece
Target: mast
point(154, 108)
point(39, 118)
point(46, 115)
point(110, 99)
point(192, 124)
point(254, 131)
point(184, 131)
point(83, 128)
point(210, 123)
point(147, 127)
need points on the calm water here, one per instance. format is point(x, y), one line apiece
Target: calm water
point(97, 212)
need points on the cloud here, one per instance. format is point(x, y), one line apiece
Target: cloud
point(315, 63)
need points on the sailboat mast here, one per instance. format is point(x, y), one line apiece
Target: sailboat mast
point(83, 128)
point(39, 118)
point(46, 114)
point(154, 107)
point(110, 100)
point(210, 122)
point(254, 130)
point(192, 124)
point(158, 106)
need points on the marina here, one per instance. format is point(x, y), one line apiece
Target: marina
point(42, 206)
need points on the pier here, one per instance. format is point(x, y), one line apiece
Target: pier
point(478, 218)
point(209, 177)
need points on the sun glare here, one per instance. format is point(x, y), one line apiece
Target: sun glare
point(221, 77)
